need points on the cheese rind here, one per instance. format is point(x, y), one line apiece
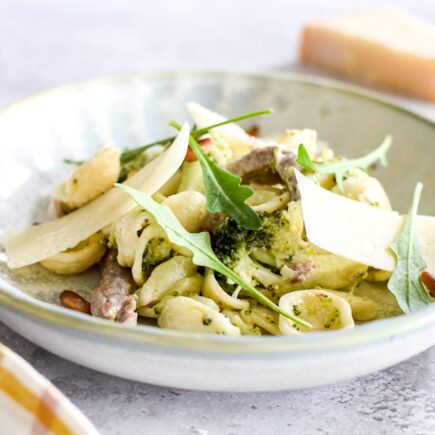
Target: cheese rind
point(383, 46)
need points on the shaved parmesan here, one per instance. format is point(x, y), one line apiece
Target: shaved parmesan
point(237, 137)
point(358, 231)
point(33, 244)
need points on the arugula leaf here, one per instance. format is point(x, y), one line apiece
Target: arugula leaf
point(340, 168)
point(130, 154)
point(224, 191)
point(405, 282)
point(200, 246)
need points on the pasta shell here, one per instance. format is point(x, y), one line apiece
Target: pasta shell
point(190, 209)
point(213, 290)
point(324, 310)
point(163, 278)
point(77, 259)
point(92, 178)
point(186, 314)
point(361, 187)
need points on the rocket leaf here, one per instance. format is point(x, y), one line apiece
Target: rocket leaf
point(224, 191)
point(405, 282)
point(340, 168)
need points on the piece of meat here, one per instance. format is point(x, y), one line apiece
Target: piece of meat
point(111, 299)
point(127, 314)
point(285, 162)
point(300, 269)
point(254, 164)
point(265, 164)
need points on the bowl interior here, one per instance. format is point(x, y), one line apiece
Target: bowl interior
point(74, 121)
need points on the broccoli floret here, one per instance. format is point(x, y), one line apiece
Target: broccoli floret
point(286, 231)
point(221, 152)
point(157, 251)
point(257, 255)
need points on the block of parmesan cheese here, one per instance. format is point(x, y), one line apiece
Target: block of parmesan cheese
point(384, 46)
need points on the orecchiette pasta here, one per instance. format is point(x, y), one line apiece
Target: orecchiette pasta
point(264, 257)
point(214, 291)
point(126, 235)
point(154, 311)
point(91, 179)
point(277, 202)
point(378, 293)
point(150, 232)
point(376, 275)
point(163, 277)
point(245, 327)
point(77, 259)
point(186, 314)
point(293, 138)
point(323, 309)
point(189, 286)
point(262, 317)
point(191, 178)
point(189, 208)
point(261, 194)
point(363, 309)
point(322, 270)
point(171, 185)
point(206, 301)
point(327, 181)
point(363, 188)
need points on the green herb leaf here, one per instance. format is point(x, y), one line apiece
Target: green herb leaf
point(129, 155)
point(200, 246)
point(304, 159)
point(340, 168)
point(73, 162)
point(224, 191)
point(405, 282)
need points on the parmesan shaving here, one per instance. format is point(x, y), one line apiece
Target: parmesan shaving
point(237, 137)
point(358, 231)
point(36, 243)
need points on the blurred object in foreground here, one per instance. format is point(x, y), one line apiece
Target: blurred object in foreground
point(382, 46)
point(30, 404)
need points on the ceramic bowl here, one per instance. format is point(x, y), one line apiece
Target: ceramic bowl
point(75, 120)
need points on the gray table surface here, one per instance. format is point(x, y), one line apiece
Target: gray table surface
point(47, 43)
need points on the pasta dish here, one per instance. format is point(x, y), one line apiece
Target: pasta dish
point(219, 230)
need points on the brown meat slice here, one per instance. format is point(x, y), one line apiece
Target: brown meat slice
point(285, 162)
point(254, 164)
point(267, 162)
point(111, 299)
point(127, 314)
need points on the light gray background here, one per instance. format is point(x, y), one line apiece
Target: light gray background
point(45, 43)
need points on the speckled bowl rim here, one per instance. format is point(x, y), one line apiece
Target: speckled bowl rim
point(150, 336)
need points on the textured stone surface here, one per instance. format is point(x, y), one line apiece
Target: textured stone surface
point(48, 43)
